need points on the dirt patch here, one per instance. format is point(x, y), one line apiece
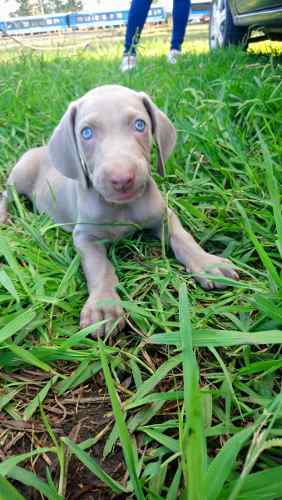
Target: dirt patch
point(80, 415)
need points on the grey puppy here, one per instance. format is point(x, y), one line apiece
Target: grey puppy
point(94, 176)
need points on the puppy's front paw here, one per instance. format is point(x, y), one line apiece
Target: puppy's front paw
point(214, 267)
point(97, 308)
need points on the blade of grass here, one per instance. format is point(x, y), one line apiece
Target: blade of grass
point(7, 283)
point(220, 338)
point(155, 379)
point(193, 445)
point(17, 324)
point(167, 441)
point(128, 445)
point(58, 447)
point(38, 399)
point(266, 260)
point(28, 357)
point(27, 478)
point(174, 486)
point(7, 490)
point(221, 466)
point(5, 250)
point(258, 443)
point(8, 465)
point(227, 378)
point(137, 398)
point(263, 485)
point(94, 467)
point(273, 189)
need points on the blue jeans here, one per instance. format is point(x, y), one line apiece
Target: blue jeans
point(138, 14)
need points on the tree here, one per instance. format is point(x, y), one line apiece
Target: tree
point(24, 8)
point(37, 7)
point(51, 6)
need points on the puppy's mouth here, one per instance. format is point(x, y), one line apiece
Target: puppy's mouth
point(124, 197)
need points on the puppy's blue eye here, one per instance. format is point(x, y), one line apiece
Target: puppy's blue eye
point(87, 133)
point(139, 125)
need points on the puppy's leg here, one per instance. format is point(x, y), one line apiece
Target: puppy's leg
point(101, 282)
point(195, 259)
point(4, 214)
point(22, 178)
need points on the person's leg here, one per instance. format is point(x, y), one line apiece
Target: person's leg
point(180, 14)
point(136, 19)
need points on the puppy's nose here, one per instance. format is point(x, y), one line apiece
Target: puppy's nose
point(122, 182)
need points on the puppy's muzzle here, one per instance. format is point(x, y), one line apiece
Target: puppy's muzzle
point(123, 182)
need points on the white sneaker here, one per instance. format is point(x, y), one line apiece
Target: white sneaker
point(128, 62)
point(173, 55)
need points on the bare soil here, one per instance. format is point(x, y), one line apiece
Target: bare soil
point(80, 415)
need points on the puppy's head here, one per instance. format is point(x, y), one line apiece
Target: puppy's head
point(105, 138)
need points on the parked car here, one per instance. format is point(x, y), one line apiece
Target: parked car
point(236, 21)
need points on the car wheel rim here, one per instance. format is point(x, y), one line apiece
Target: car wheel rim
point(217, 24)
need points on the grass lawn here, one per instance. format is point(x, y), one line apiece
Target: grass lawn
point(187, 401)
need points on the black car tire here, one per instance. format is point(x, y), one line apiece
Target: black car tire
point(222, 30)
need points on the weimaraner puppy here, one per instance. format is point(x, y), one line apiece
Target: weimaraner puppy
point(94, 177)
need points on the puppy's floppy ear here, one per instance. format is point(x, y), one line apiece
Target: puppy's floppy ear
point(163, 131)
point(63, 148)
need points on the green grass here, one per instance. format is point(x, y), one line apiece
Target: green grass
point(192, 388)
